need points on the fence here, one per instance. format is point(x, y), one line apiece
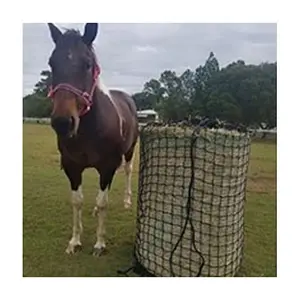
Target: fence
point(36, 120)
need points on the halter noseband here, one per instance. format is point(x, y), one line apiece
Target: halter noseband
point(85, 96)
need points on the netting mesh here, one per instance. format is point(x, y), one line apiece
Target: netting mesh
point(190, 216)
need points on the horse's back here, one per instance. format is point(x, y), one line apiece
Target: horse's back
point(122, 98)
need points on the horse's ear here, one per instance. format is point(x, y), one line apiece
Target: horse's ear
point(90, 32)
point(55, 32)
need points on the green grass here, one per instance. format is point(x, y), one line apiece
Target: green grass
point(47, 214)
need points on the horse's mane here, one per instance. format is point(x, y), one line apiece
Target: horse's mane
point(71, 33)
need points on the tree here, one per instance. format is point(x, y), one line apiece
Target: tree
point(42, 87)
point(143, 101)
point(204, 73)
point(202, 76)
point(36, 106)
point(188, 85)
point(174, 105)
point(238, 92)
point(252, 91)
point(223, 107)
point(155, 92)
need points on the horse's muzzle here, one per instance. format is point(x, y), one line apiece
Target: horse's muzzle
point(63, 126)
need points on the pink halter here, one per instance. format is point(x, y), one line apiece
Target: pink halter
point(85, 96)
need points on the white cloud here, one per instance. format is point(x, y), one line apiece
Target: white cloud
point(130, 54)
point(146, 49)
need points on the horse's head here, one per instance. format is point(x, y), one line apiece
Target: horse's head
point(74, 75)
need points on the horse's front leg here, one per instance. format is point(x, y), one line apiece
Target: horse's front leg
point(75, 177)
point(100, 210)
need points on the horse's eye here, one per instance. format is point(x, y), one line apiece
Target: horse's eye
point(87, 65)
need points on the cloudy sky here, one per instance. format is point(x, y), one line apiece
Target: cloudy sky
point(130, 54)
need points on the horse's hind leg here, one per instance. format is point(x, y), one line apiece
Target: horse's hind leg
point(75, 177)
point(128, 166)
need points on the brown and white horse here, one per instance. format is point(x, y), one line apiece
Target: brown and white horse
point(95, 127)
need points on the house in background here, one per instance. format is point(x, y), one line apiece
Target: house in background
point(146, 116)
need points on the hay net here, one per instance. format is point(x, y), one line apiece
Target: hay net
point(190, 214)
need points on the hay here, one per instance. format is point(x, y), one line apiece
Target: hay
point(217, 206)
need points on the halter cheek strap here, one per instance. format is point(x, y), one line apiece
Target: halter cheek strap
point(87, 97)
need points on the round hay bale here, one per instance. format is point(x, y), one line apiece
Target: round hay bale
point(191, 198)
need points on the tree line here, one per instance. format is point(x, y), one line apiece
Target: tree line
point(238, 93)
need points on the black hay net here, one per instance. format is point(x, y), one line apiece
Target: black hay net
point(190, 215)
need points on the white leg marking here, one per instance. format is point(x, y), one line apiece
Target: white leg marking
point(100, 210)
point(128, 173)
point(77, 201)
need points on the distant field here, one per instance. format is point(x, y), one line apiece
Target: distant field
point(47, 214)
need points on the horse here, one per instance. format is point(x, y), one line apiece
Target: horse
point(95, 127)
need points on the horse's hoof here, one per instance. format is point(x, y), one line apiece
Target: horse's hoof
point(99, 251)
point(95, 211)
point(72, 249)
point(127, 204)
point(78, 248)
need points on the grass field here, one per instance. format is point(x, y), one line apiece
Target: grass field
point(47, 214)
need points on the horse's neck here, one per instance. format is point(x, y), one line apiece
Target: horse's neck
point(107, 109)
point(103, 88)
point(102, 101)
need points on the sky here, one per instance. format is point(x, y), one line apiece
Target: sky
point(131, 54)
